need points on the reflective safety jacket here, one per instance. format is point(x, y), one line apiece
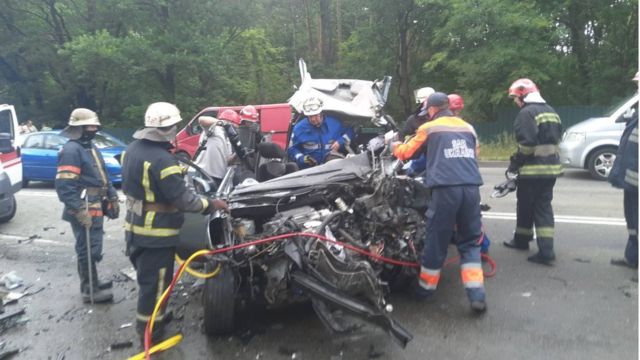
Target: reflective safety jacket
point(81, 167)
point(450, 144)
point(538, 131)
point(624, 173)
point(157, 195)
point(307, 139)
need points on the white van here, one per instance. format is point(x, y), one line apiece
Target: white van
point(10, 162)
point(592, 144)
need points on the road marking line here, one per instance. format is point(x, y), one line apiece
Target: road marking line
point(562, 219)
point(36, 193)
point(38, 240)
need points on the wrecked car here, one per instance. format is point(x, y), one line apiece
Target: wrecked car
point(341, 235)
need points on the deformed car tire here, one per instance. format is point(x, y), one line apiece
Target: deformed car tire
point(601, 162)
point(12, 212)
point(219, 301)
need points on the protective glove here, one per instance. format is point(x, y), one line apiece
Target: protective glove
point(216, 204)
point(514, 165)
point(83, 217)
point(112, 208)
point(309, 161)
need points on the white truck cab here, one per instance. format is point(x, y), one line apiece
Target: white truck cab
point(10, 162)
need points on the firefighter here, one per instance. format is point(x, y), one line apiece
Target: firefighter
point(249, 113)
point(456, 104)
point(317, 136)
point(81, 172)
point(218, 153)
point(157, 196)
point(413, 122)
point(451, 147)
point(538, 131)
point(624, 175)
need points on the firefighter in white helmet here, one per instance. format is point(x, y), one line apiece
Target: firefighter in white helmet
point(157, 197)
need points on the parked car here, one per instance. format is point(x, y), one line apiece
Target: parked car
point(40, 155)
point(592, 144)
point(274, 122)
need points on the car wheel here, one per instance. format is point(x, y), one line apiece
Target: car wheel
point(601, 162)
point(219, 301)
point(181, 155)
point(25, 183)
point(12, 211)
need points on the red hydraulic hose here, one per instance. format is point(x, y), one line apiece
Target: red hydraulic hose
point(147, 333)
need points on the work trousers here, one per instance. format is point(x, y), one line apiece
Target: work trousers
point(154, 272)
point(534, 198)
point(631, 216)
point(96, 234)
point(450, 206)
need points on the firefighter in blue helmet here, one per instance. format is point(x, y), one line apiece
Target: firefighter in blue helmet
point(157, 196)
point(318, 136)
point(81, 172)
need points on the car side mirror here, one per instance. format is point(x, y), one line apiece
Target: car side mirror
point(627, 115)
point(5, 143)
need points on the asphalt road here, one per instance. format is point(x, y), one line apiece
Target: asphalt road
point(583, 308)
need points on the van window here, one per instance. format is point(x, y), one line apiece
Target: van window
point(615, 107)
point(6, 123)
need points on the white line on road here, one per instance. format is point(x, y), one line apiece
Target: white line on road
point(38, 241)
point(562, 219)
point(36, 193)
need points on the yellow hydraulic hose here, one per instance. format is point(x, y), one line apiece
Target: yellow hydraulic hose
point(169, 343)
point(196, 273)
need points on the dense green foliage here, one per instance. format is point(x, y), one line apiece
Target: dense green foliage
point(117, 56)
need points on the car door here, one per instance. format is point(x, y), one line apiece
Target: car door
point(52, 145)
point(33, 157)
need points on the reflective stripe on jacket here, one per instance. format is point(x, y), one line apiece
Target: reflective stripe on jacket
point(150, 174)
point(538, 130)
point(624, 173)
point(451, 145)
point(80, 167)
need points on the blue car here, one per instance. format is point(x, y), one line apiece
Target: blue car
point(40, 155)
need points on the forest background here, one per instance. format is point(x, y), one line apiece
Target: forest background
point(117, 56)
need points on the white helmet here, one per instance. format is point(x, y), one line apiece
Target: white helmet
point(161, 114)
point(82, 116)
point(423, 93)
point(312, 106)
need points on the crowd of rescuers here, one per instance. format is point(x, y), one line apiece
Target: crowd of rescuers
point(434, 137)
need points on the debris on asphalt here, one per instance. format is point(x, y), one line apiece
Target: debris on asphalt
point(46, 228)
point(29, 239)
point(584, 261)
point(7, 354)
point(373, 353)
point(125, 325)
point(121, 345)
point(11, 280)
point(287, 352)
point(129, 273)
point(10, 319)
point(12, 297)
point(526, 294)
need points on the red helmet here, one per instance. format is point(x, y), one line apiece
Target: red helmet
point(455, 102)
point(230, 116)
point(521, 87)
point(249, 113)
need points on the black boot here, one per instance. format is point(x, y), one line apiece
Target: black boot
point(513, 244)
point(545, 255)
point(99, 295)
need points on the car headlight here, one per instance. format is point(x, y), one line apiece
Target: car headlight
point(111, 161)
point(574, 137)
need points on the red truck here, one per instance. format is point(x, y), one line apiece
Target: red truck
point(274, 122)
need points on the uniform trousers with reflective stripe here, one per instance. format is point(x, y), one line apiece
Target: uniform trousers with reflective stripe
point(631, 216)
point(534, 196)
point(449, 206)
point(154, 272)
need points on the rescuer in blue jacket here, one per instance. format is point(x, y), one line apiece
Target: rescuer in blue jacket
point(81, 170)
point(317, 136)
point(624, 175)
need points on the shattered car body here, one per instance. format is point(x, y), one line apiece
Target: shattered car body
point(341, 235)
